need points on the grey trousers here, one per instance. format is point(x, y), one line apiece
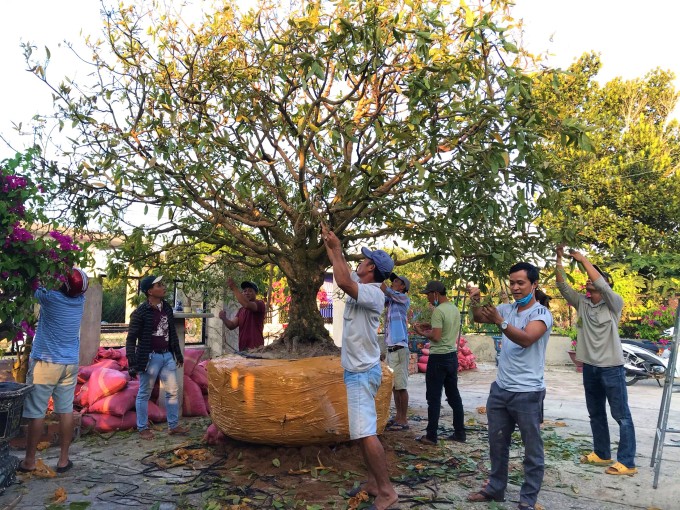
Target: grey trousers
point(505, 409)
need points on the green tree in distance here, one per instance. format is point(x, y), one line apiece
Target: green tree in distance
point(232, 140)
point(623, 197)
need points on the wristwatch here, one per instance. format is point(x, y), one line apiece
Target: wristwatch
point(504, 325)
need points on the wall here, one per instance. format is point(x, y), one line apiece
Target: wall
point(556, 352)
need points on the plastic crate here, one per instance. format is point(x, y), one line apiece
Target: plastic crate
point(12, 397)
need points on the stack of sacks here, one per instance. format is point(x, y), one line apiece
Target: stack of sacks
point(195, 397)
point(423, 357)
point(106, 394)
point(466, 359)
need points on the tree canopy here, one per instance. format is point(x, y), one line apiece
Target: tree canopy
point(623, 196)
point(233, 139)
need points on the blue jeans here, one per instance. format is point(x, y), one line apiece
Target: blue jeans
point(602, 385)
point(504, 410)
point(165, 366)
point(442, 373)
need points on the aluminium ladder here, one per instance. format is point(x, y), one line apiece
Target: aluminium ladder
point(669, 388)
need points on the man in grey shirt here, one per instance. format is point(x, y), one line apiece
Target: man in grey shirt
point(598, 346)
point(516, 397)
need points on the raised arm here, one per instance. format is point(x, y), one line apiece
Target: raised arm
point(242, 300)
point(565, 289)
point(341, 271)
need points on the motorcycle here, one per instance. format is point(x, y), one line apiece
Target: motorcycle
point(642, 361)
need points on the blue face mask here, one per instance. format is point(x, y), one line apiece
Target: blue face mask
point(525, 300)
point(436, 302)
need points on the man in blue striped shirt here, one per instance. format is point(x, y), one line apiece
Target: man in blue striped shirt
point(396, 337)
point(53, 366)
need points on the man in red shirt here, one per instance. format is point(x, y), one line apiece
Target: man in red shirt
point(250, 317)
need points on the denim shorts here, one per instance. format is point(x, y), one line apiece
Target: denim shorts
point(50, 380)
point(361, 390)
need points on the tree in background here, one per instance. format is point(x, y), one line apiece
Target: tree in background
point(621, 198)
point(232, 140)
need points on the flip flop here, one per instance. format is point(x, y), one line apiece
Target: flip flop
point(397, 427)
point(595, 459)
point(65, 468)
point(620, 469)
point(22, 469)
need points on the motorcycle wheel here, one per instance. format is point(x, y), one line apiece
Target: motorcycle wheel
point(630, 379)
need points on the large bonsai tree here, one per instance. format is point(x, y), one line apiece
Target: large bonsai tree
point(232, 139)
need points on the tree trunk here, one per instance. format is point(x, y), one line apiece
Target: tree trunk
point(305, 323)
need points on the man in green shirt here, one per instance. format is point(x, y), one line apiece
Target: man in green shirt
point(442, 365)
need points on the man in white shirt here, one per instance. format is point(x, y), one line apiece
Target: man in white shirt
point(360, 357)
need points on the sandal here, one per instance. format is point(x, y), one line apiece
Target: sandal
point(594, 458)
point(426, 440)
point(484, 497)
point(620, 469)
point(397, 427)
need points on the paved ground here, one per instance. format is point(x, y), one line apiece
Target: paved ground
point(112, 474)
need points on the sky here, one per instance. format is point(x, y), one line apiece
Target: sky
point(632, 37)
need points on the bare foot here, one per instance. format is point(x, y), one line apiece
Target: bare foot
point(383, 502)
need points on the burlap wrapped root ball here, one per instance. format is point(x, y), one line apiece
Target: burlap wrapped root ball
point(285, 402)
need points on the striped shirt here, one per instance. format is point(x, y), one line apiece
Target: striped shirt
point(397, 304)
point(57, 338)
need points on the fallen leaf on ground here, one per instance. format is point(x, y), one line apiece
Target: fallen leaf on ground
point(42, 470)
point(43, 445)
point(60, 495)
point(548, 423)
point(355, 501)
point(298, 472)
point(195, 454)
point(481, 409)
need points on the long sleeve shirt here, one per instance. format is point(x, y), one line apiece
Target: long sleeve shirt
point(598, 341)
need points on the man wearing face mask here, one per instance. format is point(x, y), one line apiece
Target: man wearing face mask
point(442, 364)
point(599, 348)
point(516, 397)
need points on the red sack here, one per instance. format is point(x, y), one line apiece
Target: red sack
point(423, 359)
point(157, 414)
point(207, 403)
point(80, 396)
point(109, 422)
point(425, 351)
point(119, 403)
point(214, 436)
point(87, 422)
point(191, 358)
point(193, 403)
point(200, 376)
point(422, 367)
point(105, 382)
point(84, 373)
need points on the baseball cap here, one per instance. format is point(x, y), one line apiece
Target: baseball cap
point(434, 286)
point(249, 285)
point(405, 281)
point(381, 259)
point(148, 282)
